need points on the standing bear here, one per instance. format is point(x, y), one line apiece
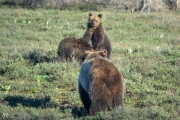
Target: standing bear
point(71, 47)
point(100, 39)
point(100, 84)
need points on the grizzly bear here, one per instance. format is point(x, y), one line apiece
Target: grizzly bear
point(71, 47)
point(91, 27)
point(100, 39)
point(100, 83)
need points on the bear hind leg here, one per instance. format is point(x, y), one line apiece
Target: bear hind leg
point(85, 99)
point(101, 99)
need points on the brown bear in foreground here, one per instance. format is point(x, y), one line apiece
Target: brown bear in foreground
point(100, 83)
point(100, 39)
point(71, 47)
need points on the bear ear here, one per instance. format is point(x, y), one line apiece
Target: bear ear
point(90, 14)
point(100, 15)
point(103, 53)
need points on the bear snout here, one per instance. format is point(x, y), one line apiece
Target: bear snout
point(91, 24)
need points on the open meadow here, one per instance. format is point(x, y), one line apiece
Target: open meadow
point(35, 86)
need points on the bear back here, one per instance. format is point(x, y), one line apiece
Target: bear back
point(100, 82)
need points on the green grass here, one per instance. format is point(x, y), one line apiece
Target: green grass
point(145, 48)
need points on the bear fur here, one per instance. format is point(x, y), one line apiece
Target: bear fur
point(72, 47)
point(100, 39)
point(100, 83)
point(91, 27)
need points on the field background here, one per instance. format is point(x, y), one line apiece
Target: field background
point(34, 85)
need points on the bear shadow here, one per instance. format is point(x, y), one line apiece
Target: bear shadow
point(36, 57)
point(78, 112)
point(43, 103)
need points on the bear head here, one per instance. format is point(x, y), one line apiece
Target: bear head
point(94, 21)
point(95, 54)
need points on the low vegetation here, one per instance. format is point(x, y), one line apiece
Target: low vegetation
point(34, 85)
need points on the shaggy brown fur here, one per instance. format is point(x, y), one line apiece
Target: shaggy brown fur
point(100, 83)
point(71, 47)
point(100, 39)
point(92, 23)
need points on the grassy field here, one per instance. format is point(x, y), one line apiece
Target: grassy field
point(34, 85)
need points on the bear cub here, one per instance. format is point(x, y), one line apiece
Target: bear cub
point(100, 39)
point(100, 83)
point(72, 48)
